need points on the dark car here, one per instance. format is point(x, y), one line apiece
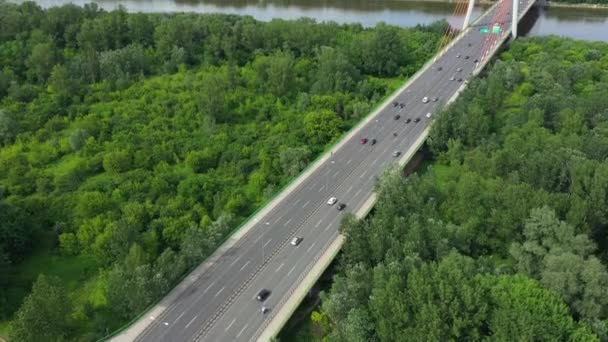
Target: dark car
point(466, 57)
point(476, 60)
point(397, 117)
point(408, 120)
point(341, 206)
point(373, 142)
point(402, 105)
point(439, 68)
point(435, 99)
point(395, 104)
point(417, 120)
point(470, 44)
point(458, 56)
point(364, 141)
point(262, 295)
point(460, 80)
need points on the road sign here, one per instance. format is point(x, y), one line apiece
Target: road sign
point(496, 29)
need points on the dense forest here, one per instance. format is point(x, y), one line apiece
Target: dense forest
point(504, 235)
point(131, 145)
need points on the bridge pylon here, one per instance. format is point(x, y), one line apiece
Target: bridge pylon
point(514, 18)
point(467, 18)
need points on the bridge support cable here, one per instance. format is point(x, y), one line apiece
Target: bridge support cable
point(498, 21)
point(449, 31)
point(467, 18)
point(515, 17)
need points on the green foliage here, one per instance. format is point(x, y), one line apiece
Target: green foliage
point(43, 314)
point(140, 141)
point(504, 236)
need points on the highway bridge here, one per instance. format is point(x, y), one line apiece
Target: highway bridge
point(216, 302)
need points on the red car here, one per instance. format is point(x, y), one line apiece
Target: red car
point(364, 141)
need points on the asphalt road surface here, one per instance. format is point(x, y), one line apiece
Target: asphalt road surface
point(221, 305)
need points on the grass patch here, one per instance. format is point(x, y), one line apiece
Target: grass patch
point(4, 330)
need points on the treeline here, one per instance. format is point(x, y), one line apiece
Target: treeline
point(132, 144)
point(504, 237)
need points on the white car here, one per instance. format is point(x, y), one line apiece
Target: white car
point(332, 201)
point(296, 240)
point(428, 115)
point(425, 99)
point(396, 153)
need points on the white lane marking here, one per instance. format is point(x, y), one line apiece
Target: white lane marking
point(180, 316)
point(230, 325)
point(327, 228)
point(286, 223)
point(280, 266)
point(348, 162)
point(363, 174)
point(291, 270)
point(326, 172)
point(383, 152)
point(208, 287)
point(318, 223)
point(371, 177)
point(358, 192)
point(305, 204)
point(267, 242)
point(279, 219)
point(192, 320)
point(234, 262)
point(258, 239)
point(247, 263)
point(311, 246)
point(240, 332)
point(321, 188)
point(349, 189)
point(220, 291)
point(336, 174)
point(297, 201)
point(374, 162)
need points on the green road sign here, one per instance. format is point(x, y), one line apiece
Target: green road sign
point(496, 29)
point(484, 30)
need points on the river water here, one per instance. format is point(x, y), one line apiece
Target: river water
point(589, 24)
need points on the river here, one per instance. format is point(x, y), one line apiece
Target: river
point(579, 23)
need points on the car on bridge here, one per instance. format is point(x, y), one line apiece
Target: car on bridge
point(363, 141)
point(396, 153)
point(452, 78)
point(397, 117)
point(341, 206)
point(417, 120)
point(408, 120)
point(262, 295)
point(296, 240)
point(332, 201)
point(425, 100)
point(459, 69)
point(428, 115)
point(373, 142)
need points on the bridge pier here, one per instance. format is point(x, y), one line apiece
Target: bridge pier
point(514, 18)
point(467, 18)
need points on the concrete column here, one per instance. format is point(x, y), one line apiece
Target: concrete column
point(514, 17)
point(467, 18)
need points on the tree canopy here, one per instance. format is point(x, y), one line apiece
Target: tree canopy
point(131, 145)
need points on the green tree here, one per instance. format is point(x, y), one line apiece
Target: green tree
point(44, 312)
point(321, 127)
